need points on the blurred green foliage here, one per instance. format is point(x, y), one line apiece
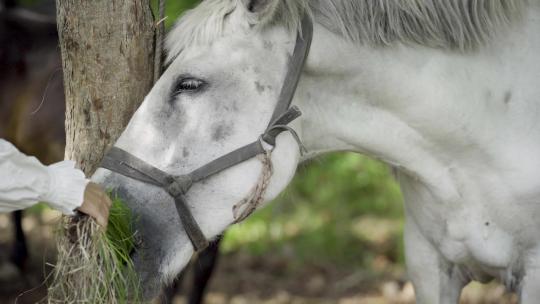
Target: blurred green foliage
point(173, 9)
point(343, 209)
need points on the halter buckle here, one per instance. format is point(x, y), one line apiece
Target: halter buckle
point(279, 129)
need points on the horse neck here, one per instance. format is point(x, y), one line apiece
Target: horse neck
point(421, 110)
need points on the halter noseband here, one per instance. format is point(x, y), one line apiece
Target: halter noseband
point(124, 163)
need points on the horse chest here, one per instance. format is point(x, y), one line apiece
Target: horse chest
point(487, 227)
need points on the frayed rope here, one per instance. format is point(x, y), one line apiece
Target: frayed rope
point(249, 204)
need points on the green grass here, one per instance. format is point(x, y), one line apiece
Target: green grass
point(120, 230)
point(93, 265)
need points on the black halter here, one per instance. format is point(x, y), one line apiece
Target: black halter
point(122, 162)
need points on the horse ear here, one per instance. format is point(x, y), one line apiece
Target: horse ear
point(260, 10)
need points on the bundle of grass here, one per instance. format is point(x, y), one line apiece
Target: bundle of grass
point(94, 265)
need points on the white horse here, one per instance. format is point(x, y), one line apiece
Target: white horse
point(446, 92)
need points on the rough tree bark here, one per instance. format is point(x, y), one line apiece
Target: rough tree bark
point(107, 51)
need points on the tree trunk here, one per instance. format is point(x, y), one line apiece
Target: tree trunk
point(107, 51)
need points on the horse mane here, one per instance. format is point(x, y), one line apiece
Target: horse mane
point(461, 25)
point(447, 24)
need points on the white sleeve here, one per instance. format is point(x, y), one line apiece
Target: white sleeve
point(24, 181)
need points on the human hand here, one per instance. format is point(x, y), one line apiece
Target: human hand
point(96, 204)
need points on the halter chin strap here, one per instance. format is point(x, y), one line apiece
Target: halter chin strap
point(124, 163)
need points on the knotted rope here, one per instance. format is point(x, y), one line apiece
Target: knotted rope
point(249, 204)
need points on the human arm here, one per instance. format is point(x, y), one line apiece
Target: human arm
point(24, 181)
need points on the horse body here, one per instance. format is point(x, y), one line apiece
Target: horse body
point(459, 127)
point(462, 132)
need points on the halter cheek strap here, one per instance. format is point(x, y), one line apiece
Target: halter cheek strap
point(124, 163)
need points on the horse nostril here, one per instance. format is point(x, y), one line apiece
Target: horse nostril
point(137, 244)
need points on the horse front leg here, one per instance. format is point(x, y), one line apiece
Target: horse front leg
point(435, 280)
point(19, 254)
point(530, 284)
point(202, 272)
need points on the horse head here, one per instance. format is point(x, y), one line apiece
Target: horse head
point(227, 66)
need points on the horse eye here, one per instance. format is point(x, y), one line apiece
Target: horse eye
point(188, 85)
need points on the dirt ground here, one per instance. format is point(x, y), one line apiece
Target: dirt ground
point(240, 278)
